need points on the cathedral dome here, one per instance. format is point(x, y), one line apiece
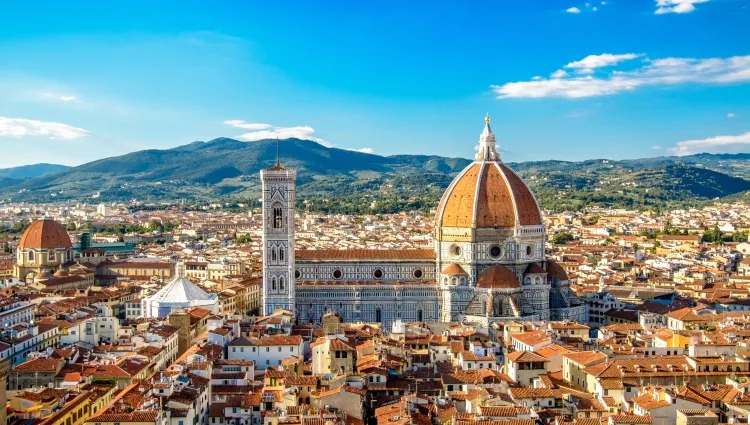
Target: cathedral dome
point(45, 234)
point(498, 277)
point(487, 194)
point(556, 271)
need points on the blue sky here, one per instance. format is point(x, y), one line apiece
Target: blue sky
point(561, 79)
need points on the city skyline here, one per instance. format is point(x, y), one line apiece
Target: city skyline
point(570, 80)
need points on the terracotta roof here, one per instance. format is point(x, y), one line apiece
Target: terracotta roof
point(526, 356)
point(454, 269)
point(498, 277)
point(487, 195)
point(39, 365)
point(45, 234)
point(364, 254)
point(556, 271)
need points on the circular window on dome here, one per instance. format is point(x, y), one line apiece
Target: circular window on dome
point(528, 250)
point(298, 274)
point(377, 274)
point(418, 273)
point(495, 251)
point(337, 274)
point(456, 250)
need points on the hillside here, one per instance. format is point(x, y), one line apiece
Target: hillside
point(31, 171)
point(338, 180)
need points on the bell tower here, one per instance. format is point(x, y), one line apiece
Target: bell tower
point(278, 238)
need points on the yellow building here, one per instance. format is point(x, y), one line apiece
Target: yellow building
point(74, 412)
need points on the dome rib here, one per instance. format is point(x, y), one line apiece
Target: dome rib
point(45, 234)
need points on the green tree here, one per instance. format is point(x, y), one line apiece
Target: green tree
point(562, 238)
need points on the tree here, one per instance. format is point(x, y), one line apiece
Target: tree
point(562, 238)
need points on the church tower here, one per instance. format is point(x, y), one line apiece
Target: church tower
point(278, 238)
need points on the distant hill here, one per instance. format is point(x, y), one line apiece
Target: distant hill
point(31, 171)
point(338, 180)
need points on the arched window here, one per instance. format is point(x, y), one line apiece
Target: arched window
point(527, 281)
point(273, 254)
point(538, 280)
point(453, 281)
point(281, 283)
point(278, 220)
point(31, 255)
point(273, 283)
point(281, 254)
point(419, 315)
point(51, 256)
point(378, 315)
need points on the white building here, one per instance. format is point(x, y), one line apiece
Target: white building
point(179, 293)
point(267, 351)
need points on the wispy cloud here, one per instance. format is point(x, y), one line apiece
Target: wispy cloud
point(247, 126)
point(573, 10)
point(20, 127)
point(59, 97)
point(656, 72)
point(268, 131)
point(715, 144)
point(731, 115)
point(363, 150)
point(656, 148)
point(592, 62)
point(676, 6)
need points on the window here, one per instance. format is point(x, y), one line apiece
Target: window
point(273, 254)
point(528, 250)
point(281, 254)
point(456, 250)
point(297, 274)
point(377, 274)
point(278, 220)
point(273, 283)
point(337, 274)
point(279, 349)
point(180, 423)
point(418, 274)
point(31, 255)
point(495, 251)
point(281, 283)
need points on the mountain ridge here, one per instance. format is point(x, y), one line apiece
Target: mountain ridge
point(225, 168)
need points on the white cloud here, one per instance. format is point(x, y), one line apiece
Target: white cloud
point(712, 144)
point(731, 115)
point(604, 3)
point(573, 10)
point(676, 6)
point(588, 4)
point(592, 62)
point(658, 72)
point(268, 131)
point(594, 8)
point(60, 97)
point(656, 148)
point(560, 73)
point(363, 150)
point(247, 126)
point(20, 127)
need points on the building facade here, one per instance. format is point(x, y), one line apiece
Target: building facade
point(487, 264)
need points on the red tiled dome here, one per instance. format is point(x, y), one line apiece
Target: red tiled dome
point(45, 234)
point(498, 277)
point(487, 194)
point(454, 269)
point(556, 271)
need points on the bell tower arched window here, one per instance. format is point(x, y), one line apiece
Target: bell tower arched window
point(281, 283)
point(278, 219)
point(281, 254)
point(273, 254)
point(273, 284)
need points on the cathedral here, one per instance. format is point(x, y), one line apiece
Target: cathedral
point(487, 265)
